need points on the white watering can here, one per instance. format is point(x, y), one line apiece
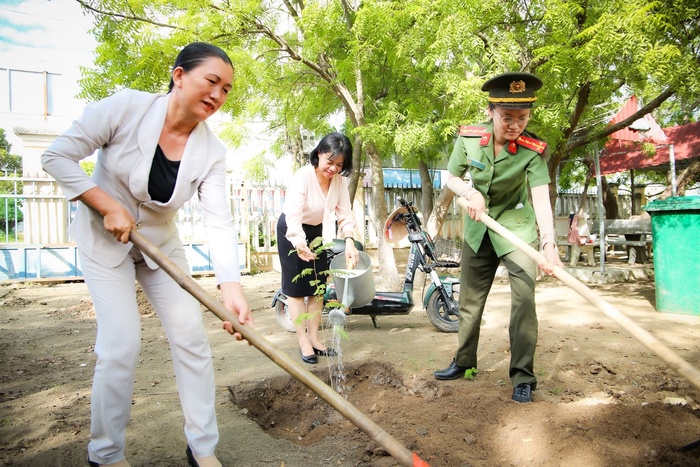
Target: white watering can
point(355, 287)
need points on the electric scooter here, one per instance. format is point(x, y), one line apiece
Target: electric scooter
point(441, 300)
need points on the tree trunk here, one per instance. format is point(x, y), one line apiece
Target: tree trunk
point(612, 211)
point(437, 217)
point(688, 176)
point(582, 206)
point(426, 184)
point(358, 172)
point(553, 194)
point(296, 147)
point(388, 273)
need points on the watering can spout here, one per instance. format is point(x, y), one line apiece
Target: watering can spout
point(337, 315)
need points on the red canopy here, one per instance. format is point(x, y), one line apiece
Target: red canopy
point(626, 148)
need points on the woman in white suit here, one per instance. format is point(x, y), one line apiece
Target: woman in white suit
point(155, 152)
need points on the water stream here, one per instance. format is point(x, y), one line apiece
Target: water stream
point(336, 367)
point(336, 323)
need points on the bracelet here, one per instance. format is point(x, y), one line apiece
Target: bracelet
point(547, 238)
point(346, 238)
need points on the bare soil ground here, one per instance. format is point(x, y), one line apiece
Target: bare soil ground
point(603, 399)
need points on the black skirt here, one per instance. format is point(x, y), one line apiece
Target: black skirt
point(292, 265)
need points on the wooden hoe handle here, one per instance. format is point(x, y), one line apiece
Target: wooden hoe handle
point(349, 411)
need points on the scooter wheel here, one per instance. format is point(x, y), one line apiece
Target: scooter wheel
point(282, 315)
point(439, 313)
point(285, 320)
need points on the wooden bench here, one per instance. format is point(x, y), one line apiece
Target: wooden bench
point(561, 227)
point(633, 234)
point(572, 252)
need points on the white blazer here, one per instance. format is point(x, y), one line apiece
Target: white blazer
point(125, 128)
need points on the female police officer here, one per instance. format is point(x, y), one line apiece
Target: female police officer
point(502, 160)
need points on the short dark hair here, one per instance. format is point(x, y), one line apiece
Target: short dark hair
point(338, 145)
point(193, 54)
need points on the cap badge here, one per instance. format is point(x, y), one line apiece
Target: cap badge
point(516, 87)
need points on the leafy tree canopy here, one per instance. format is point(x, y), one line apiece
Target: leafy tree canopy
point(406, 74)
point(420, 63)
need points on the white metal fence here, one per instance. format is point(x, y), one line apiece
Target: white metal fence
point(34, 242)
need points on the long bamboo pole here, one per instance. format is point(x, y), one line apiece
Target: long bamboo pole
point(673, 360)
point(349, 411)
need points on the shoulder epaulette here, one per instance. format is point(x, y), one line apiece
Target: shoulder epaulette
point(532, 143)
point(473, 130)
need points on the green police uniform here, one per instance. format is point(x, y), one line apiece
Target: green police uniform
point(502, 180)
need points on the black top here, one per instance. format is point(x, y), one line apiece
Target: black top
point(161, 180)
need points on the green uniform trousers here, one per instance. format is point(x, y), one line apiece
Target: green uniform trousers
point(477, 275)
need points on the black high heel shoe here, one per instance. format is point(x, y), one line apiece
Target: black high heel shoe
point(95, 464)
point(208, 460)
point(329, 352)
point(191, 461)
point(311, 359)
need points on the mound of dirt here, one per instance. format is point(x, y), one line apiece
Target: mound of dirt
point(468, 423)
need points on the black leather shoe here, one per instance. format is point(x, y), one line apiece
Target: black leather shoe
point(453, 371)
point(522, 393)
point(329, 352)
point(312, 359)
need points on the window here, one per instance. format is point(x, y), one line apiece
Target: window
point(30, 92)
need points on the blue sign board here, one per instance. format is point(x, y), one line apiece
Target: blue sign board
point(408, 178)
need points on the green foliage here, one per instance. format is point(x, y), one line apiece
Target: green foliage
point(88, 167)
point(255, 169)
point(470, 373)
point(648, 149)
point(261, 238)
point(10, 215)
point(340, 331)
point(9, 163)
point(317, 247)
point(10, 208)
point(319, 281)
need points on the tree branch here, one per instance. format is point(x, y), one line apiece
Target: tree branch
point(119, 15)
point(590, 137)
point(584, 93)
point(347, 13)
point(291, 10)
point(321, 69)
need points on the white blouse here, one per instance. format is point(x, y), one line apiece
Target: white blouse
point(305, 203)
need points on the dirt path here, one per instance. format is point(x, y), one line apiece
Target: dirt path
point(602, 398)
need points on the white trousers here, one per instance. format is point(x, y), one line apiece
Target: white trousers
point(118, 345)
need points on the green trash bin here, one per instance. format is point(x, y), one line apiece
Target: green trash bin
point(675, 228)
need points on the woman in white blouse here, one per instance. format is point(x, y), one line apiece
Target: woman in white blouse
point(314, 193)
